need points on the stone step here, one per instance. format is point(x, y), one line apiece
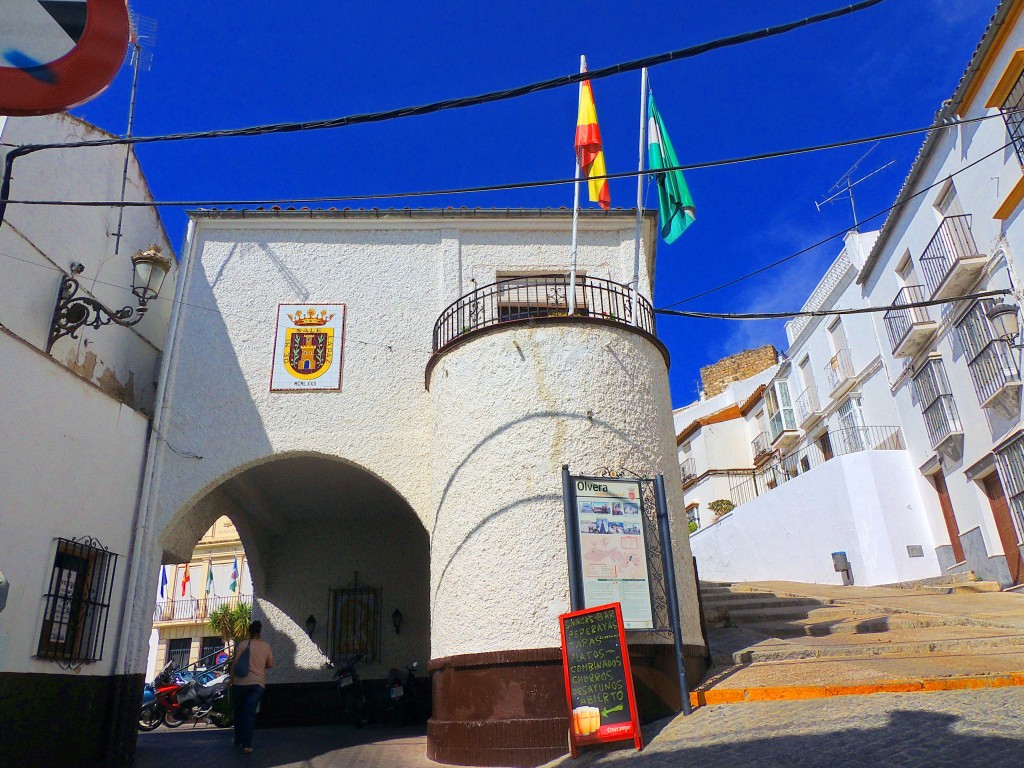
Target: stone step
point(749, 603)
point(730, 596)
point(910, 642)
point(790, 611)
point(842, 623)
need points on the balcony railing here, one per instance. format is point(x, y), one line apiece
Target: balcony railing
point(195, 608)
point(951, 261)
point(909, 329)
point(521, 299)
point(760, 445)
point(839, 372)
point(994, 371)
point(941, 420)
point(807, 406)
point(747, 486)
point(688, 470)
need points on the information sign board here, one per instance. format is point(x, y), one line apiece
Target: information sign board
point(598, 681)
point(613, 547)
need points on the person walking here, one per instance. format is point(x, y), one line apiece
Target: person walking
point(247, 684)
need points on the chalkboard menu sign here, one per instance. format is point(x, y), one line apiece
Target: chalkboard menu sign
point(598, 682)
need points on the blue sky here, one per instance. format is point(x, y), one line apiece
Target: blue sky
point(236, 63)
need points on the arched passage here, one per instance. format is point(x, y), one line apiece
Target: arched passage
point(321, 535)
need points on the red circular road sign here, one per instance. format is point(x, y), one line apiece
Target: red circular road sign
point(57, 54)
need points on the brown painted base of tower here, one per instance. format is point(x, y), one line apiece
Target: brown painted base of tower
point(72, 720)
point(507, 708)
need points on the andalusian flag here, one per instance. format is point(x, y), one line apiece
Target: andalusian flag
point(589, 153)
point(674, 202)
point(209, 578)
point(233, 586)
point(185, 580)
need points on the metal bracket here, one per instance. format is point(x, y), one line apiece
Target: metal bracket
point(70, 313)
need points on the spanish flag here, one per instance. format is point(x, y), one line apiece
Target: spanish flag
point(589, 153)
point(184, 581)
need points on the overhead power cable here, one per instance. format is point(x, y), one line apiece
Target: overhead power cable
point(520, 184)
point(829, 312)
point(492, 96)
point(778, 262)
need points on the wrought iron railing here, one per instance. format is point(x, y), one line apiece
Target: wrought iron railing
point(688, 470)
point(760, 445)
point(899, 322)
point(527, 298)
point(839, 369)
point(747, 486)
point(993, 369)
point(941, 419)
point(195, 608)
point(807, 404)
point(951, 242)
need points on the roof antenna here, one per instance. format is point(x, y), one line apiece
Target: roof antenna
point(844, 186)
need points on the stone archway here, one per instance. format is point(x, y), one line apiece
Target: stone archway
point(315, 530)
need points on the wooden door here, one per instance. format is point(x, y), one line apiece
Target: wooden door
point(1004, 526)
point(939, 481)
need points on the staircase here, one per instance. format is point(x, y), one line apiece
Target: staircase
point(807, 640)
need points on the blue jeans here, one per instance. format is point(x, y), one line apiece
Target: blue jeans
point(246, 699)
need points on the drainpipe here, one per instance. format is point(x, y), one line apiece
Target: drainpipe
point(141, 522)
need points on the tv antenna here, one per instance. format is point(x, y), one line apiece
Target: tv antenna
point(844, 186)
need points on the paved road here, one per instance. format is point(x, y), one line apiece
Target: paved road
point(909, 730)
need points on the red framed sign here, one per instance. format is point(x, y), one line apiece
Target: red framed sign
point(598, 679)
point(54, 55)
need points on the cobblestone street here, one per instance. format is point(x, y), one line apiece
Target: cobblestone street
point(948, 728)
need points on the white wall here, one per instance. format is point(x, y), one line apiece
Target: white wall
point(847, 504)
point(71, 461)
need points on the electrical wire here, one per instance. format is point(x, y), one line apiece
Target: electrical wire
point(649, 173)
point(484, 98)
point(830, 312)
point(833, 236)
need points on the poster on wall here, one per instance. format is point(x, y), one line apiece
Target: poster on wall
point(308, 348)
point(613, 547)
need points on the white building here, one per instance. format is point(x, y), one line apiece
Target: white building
point(936, 387)
point(406, 493)
point(75, 424)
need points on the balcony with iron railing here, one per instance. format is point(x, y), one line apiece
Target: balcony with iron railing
point(942, 422)
point(951, 262)
point(910, 328)
point(760, 446)
point(688, 470)
point(194, 609)
point(839, 373)
point(747, 486)
point(808, 409)
point(995, 373)
point(542, 299)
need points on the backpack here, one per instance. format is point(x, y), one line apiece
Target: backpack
point(242, 665)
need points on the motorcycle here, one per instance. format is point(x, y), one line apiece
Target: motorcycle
point(401, 703)
point(196, 700)
point(356, 705)
point(158, 696)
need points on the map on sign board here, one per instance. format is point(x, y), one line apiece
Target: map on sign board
point(613, 547)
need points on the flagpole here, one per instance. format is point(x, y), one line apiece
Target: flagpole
point(635, 293)
point(575, 214)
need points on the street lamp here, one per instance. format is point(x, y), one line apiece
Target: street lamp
point(71, 313)
point(310, 625)
point(396, 619)
point(1004, 320)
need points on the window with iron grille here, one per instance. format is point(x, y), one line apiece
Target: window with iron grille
point(936, 399)
point(77, 602)
point(1014, 118)
point(212, 646)
point(180, 651)
point(355, 624)
point(989, 359)
point(1011, 473)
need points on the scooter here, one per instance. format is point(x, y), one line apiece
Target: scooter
point(357, 707)
point(401, 690)
point(195, 700)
